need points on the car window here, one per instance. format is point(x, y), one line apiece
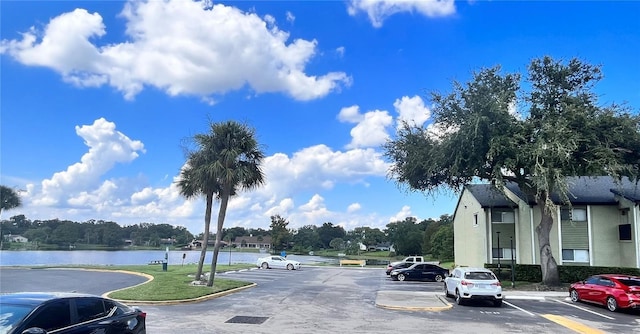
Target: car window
point(54, 315)
point(605, 282)
point(456, 273)
point(90, 309)
point(119, 308)
point(592, 280)
point(629, 281)
point(479, 275)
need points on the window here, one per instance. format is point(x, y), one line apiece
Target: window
point(500, 216)
point(605, 282)
point(624, 232)
point(475, 220)
point(575, 214)
point(592, 280)
point(90, 309)
point(52, 316)
point(575, 255)
point(503, 253)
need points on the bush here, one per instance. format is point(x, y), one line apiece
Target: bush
point(568, 274)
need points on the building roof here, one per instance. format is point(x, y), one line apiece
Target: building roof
point(630, 193)
point(590, 190)
point(253, 239)
point(489, 196)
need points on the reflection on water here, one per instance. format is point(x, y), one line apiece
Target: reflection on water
point(87, 257)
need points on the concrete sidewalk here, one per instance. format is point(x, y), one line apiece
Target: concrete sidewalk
point(436, 301)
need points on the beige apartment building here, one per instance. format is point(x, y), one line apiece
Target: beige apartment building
point(600, 228)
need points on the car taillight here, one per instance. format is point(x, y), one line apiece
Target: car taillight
point(143, 315)
point(466, 283)
point(496, 284)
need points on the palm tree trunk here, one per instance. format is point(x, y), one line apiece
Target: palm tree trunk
point(548, 264)
point(216, 248)
point(205, 241)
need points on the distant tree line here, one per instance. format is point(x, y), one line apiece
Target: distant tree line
point(408, 237)
point(65, 233)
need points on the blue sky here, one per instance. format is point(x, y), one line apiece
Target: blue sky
point(98, 97)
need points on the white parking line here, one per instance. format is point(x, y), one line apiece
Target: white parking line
point(519, 308)
point(584, 309)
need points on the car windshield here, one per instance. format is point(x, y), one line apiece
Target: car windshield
point(10, 315)
point(479, 275)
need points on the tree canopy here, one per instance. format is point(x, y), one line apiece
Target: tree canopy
point(9, 199)
point(494, 130)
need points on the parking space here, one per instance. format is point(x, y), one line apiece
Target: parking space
point(558, 314)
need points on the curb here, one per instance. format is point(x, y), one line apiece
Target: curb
point(445, 307)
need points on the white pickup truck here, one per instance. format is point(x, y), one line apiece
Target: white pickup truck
point(412, 259)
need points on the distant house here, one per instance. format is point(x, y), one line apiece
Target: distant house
point(197, 244)
point(601, 228)
point(385, 246)
point(258, 242)
point(167, 241)
point(16, 238)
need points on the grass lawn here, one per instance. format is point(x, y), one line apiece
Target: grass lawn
point(173, 284)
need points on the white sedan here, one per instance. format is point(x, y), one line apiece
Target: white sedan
point(277, 262)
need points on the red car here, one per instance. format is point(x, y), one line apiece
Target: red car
point(613, 291)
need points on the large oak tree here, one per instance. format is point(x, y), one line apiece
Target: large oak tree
point(493, 129)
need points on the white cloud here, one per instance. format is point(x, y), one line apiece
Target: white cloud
point(106, 148)
point(379, 10)
point(371, 128)
point(179, 47)
point(290, 17)
point(319, 166)
point(411, 110)
point(340, 51)
point(282, 209)
point(353, 207)
point(350, 114)
point(402, 214)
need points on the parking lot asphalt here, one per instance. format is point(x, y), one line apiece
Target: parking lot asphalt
point(436, 301)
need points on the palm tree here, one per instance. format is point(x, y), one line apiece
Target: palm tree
point(228, 160)
point(194, 181)
point(9, 199)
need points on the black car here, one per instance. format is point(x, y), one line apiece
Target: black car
point(67, 313)
point(400, 265)
point(420, 271)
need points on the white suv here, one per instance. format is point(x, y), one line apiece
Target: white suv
point(473, 283)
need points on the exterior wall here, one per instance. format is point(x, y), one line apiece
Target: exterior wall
point(608, 249)
point(470, 239)
point(630, 250)
point(606, 246)
point(527, 245)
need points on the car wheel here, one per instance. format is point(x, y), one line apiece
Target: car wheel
point(446, 291)
point(438, 278)
point(265, 265)
point(289, 266)
point(497, 303)
point(401, 277)
point(612, 304)
point(459, 299)
point(574, 296)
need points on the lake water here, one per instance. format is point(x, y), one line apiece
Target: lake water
point(87, 257)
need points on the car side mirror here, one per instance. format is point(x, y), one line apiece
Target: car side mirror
point(34, 330)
